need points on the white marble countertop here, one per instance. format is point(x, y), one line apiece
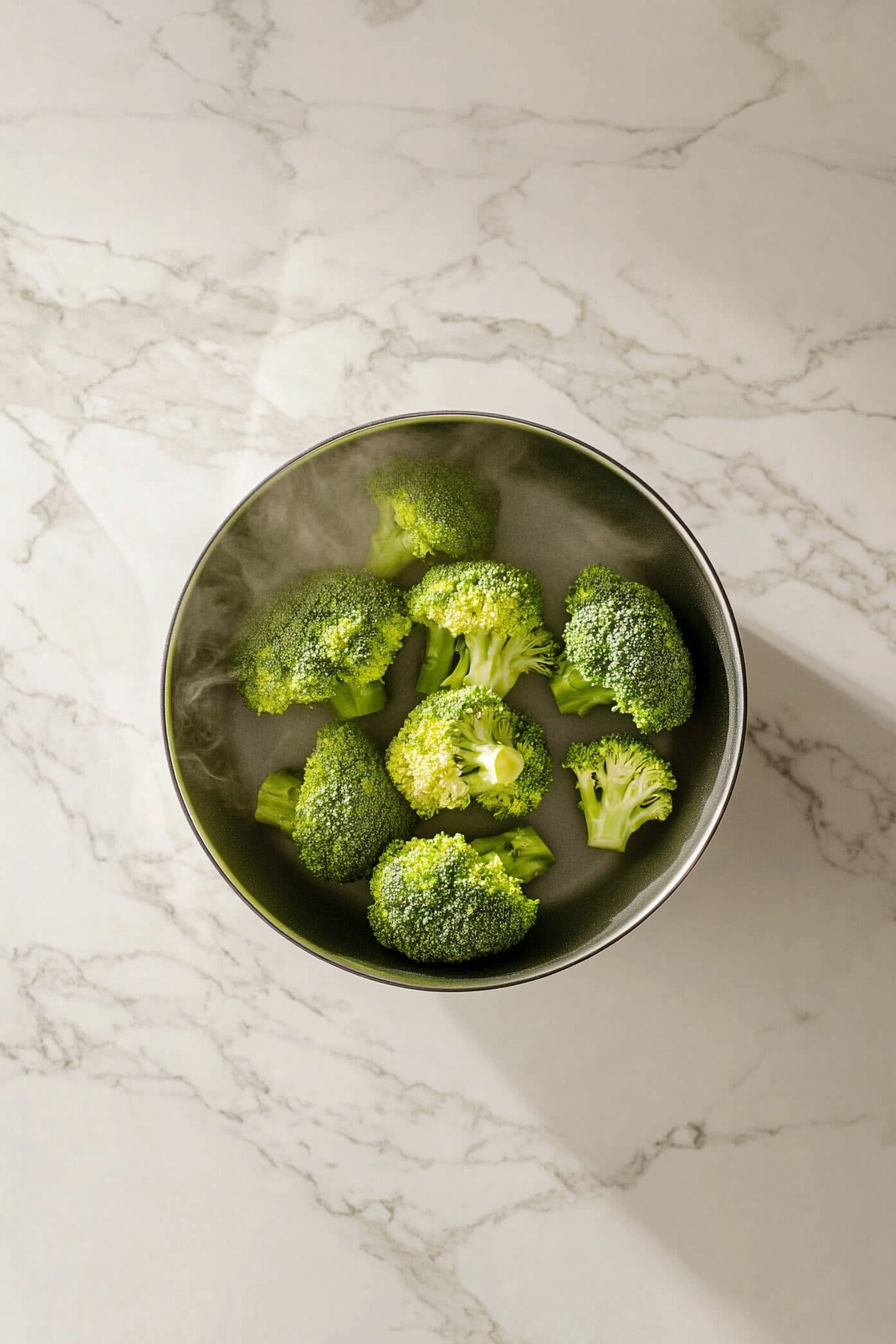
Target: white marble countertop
point(229, 231)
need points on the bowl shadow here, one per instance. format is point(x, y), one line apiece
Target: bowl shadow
point(709, 1065)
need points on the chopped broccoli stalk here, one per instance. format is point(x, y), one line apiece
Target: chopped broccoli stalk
point(437, 658)
point(493, 613)
point(439, 900)
point(575, 695)
point(622, 636)
point(391, 549)
point(277, 800)
point(426, 506)
point(327, 637)
point(345, 810)
point(457, 745)
point(622, 783)
point(353, 702)
point(522, 851)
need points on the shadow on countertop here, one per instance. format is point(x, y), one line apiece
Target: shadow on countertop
point(727, 1068)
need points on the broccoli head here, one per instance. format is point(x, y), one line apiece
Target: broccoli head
point(439, 900)
point(622, 783)
point(623, 646)
point(522, 851)
point(483, 625)
point(344, 811)
point(465, 744)
point(425, 506)
point(328, 637)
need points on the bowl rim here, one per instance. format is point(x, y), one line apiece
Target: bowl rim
point(731, 760)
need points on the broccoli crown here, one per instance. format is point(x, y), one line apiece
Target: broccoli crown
point(438, 900)
point(492, 611)
point(348, 810)
point(429, 505)
point(466, 743)
point(314, 636)
point(623, 640)
point(622, 783)
point(477, 597)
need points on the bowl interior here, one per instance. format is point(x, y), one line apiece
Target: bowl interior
point(563, 506)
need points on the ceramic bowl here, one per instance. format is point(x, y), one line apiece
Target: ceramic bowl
point(563, 505)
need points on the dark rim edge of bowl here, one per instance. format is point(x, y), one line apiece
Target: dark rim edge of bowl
point(739, 703)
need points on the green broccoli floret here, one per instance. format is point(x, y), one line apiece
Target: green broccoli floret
point(622, 783)
point(438, 900)
point(426, 506)
point(522, 851)
point(623, 646)
point(344, 811)
point(328, 637)
point(483, 626)
point(465, 744)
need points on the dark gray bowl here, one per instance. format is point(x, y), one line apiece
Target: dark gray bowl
point(564, 505)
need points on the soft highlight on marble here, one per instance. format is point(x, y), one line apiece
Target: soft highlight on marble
point(230, 232)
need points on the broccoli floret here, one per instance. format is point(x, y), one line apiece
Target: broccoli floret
point(426, 506)
point(622, 783)
point(328, 637)
point(438, 900)
point(465, 744)
point(344, 811)
point(623, 646)
point(522, 851)
point(483, 625)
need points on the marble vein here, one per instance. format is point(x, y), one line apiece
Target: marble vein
point(367, 1149)
point(851, 810)
point(811, 546)
point(696, 1135)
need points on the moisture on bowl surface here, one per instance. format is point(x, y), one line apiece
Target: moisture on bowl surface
point(563, 506)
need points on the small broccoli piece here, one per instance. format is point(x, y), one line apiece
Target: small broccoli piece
point(622, 783)
point(426, 506)
point(439, 900)
point(344, 811)
point(522, 851)
point(623, 645)
point(328, 637)
point(483, 624)
point(465, 744)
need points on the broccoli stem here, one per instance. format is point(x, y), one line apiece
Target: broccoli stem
point(575, 695)
point(615, 809)
point(607, 826)
point(482, 663)
point(353, 702)
point(486, 763)
point(437, 659)
point(277, 799)
point(498, 661)
point(495, 764)
point(390, 548)
point(522, 852)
